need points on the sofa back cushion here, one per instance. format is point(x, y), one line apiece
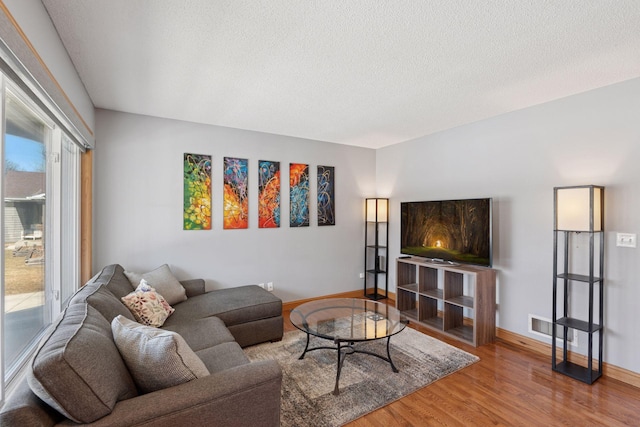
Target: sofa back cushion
point(100, 297)
point(113, 277)
point(77, 369)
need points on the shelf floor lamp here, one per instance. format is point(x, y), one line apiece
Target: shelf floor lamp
point(578, 209)
point(376, 260)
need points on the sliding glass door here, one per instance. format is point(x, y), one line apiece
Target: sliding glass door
point(24, 224)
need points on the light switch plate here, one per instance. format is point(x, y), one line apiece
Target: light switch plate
point(626, 240)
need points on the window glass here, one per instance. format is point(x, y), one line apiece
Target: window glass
point(24, 224)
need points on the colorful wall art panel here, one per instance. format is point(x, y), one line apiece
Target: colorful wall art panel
point(326, 195)
point(236, 201)
point(197, 192)
point(268, 194)
point(298, 195)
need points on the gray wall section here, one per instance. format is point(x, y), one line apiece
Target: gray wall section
point(34, 21)
point(138, 207)
point(517, 159)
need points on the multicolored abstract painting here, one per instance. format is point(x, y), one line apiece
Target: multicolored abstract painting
point(268, 194)
point(298, 195)
point(236, 201)
point(197, 192)
point(326, 195)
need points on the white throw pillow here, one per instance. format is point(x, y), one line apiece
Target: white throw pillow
point(156, 358)
point(147, 305)
point(163, 281)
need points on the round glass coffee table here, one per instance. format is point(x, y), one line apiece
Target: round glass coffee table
point(347, 321)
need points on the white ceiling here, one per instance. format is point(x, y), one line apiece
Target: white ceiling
point(361, 72)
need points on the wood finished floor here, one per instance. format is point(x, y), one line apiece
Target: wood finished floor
point(508, 387)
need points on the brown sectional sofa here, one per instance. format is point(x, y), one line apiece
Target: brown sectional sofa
point(78, 376)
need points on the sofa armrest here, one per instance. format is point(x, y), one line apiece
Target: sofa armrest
point(193, 287)
point(244, 395)
point(23, 408)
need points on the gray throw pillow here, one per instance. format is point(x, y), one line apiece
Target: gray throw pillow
point(163, 281)
point(157, 359)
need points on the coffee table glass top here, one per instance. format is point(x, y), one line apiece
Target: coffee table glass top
point(347, 319)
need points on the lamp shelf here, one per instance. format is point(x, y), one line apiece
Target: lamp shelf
point(577, 372)
point(579, 278)
point(578, 324)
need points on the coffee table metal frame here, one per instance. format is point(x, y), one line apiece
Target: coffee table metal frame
point(345, 346)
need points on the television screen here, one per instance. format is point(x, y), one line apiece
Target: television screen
point(457, 231)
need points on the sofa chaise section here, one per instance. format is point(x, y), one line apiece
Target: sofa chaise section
point(251, 314)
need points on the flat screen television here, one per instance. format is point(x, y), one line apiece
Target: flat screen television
point(455, 231)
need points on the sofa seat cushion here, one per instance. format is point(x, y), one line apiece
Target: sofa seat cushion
point(202, 333)
point(157, 359)
point(233, 306)
point(222, 356)
point(77, 369)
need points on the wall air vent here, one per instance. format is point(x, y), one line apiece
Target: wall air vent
point(543, 327)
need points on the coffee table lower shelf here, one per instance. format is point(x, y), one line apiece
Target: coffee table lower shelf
point(344, 348)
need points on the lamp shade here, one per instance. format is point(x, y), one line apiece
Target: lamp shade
point(579, 208)
point(377, 210)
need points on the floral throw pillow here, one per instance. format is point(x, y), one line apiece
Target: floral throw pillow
point(147, 306)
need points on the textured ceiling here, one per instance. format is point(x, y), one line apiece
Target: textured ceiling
point(362, 72)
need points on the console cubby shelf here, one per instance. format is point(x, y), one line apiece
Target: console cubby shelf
point(457, 300)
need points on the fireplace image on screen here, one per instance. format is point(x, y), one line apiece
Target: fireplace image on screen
point(456, 231)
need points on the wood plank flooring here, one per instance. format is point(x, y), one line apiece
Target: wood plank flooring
point(508, 387)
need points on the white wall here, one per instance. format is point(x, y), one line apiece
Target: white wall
point(138, 207)
point(517, 159)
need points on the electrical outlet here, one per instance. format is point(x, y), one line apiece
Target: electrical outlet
point(270, 286)
point(362, 275)
point(626, 240)
point(261, 285)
